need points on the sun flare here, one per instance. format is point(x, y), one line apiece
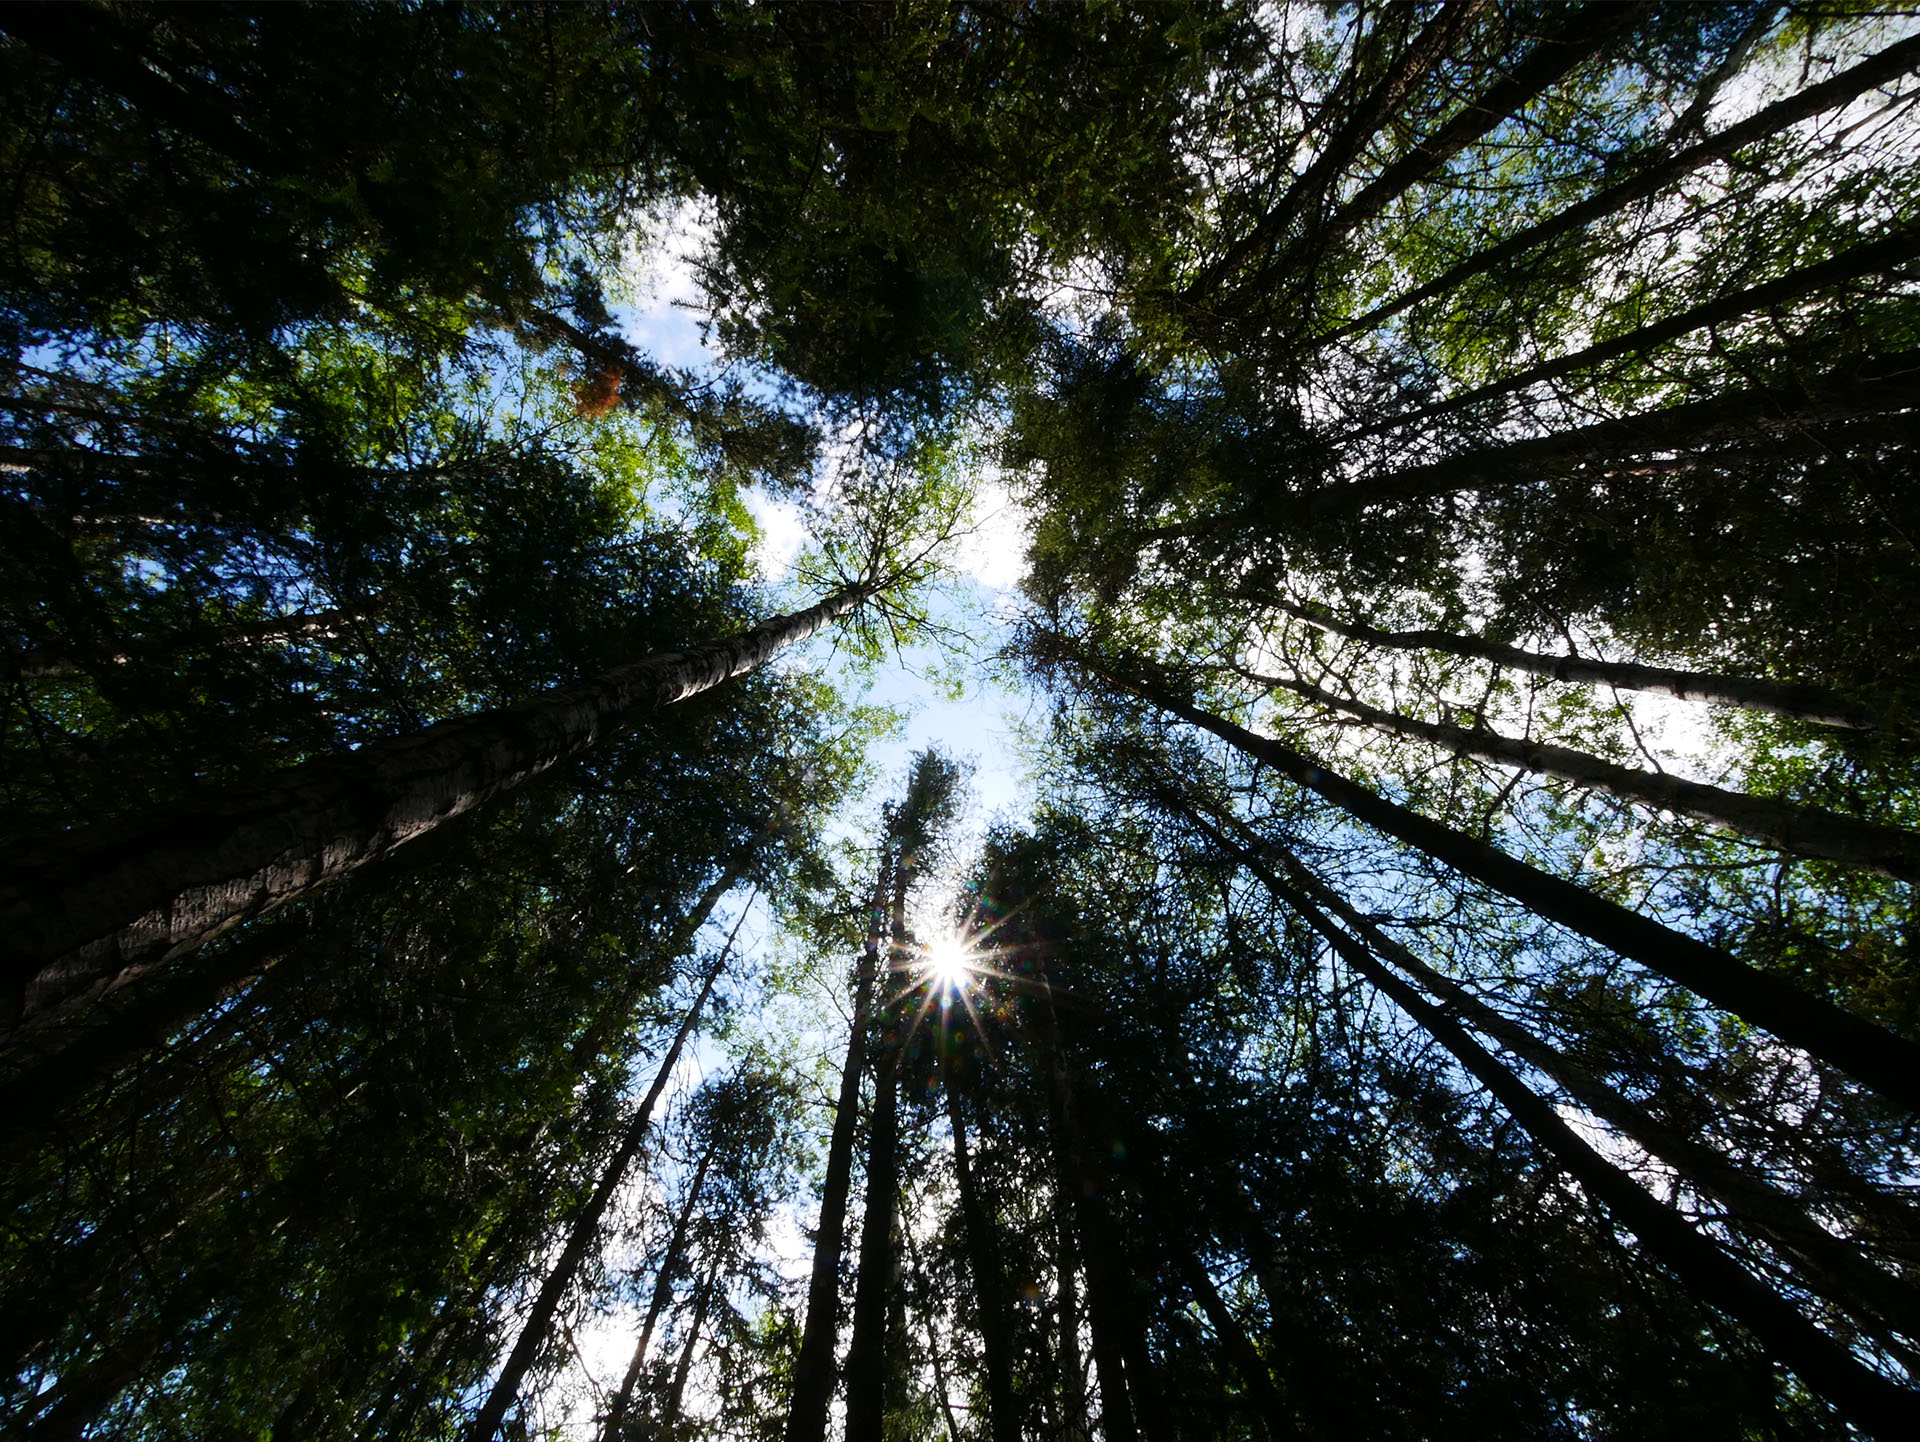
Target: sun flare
point(949, 963)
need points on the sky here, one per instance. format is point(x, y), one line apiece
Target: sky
point(979, 727)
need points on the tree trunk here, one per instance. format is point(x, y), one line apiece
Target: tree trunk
point(323, 624)
point(58, 1065)
point(1887, 385)
point(878, 1275)
point(677, 1392)
point(1075, 1180)
point(1797, 830)
point(585, 1227)
point(877, 1279)
point(1073, 1377)
point(1778, 698)
point(670, 1263)
point(1889, 65)
point(1827, 1263)
point(1886, 254)
point(989, 1282)
point(1879, 1406)
point(813, 1368)
point(1246, 1358)
point(1301, 201)
point(1584, 29)
point(1885, 1062)
point(614, 1015)
point(115, 905)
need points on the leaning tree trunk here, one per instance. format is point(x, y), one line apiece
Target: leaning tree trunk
point(1301, 202)
point(1889, 65)
point(1885, 254)
point(1887, 1063)
point(1887, 384)
point(110, 907)
point(1828, 1264)
point(813, 1368)
point(1794, 829)
point(586, 1227)
point(670, 1264)
point(1778, 698)
point(1584, 29)
point(1879, 1406)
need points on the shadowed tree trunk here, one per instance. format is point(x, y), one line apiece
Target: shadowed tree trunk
point(1889, 65)
point(1301, 202)
point(1884, 255)
point(1885, 1062)
point(1881, 1407)
point(989, 1282)
point(813, 1368)
point(585, 1226)
point(109, 907)
point(877, 1280)
point(1779, 698)
point(1797, 830)
point(670, 1264)
point(1827, 1263)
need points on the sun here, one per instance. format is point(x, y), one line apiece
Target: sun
point(949, 963)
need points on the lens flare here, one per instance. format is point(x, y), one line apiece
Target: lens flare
point(949, 963)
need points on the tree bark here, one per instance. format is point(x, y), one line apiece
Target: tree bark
point(1887, 1063)
point(1816, 704)
point(1584, 30)
point(670, 1263)
point(1889, 65)
point(1879, 1406)
point(878, 1274)
point(1302, 199)
point(1073, 1377)
point(112, 906)
point(585, 1226)
point(326, 625)
point(1797, 830)
point(677, 1392)
point(1827, 1263)
point(813, 1368)
point(1885, 254)
point(1887, 385)
point(1075, 1180)
point(989, 1282)
point(877, 1279)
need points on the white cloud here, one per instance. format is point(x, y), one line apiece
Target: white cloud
point(661, 275)
point(994, 552)
point(783, 531)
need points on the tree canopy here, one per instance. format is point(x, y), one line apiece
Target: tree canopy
point(1451, 971)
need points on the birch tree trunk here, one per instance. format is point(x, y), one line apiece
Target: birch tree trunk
point(586, 1226)
point(1885, 1062)
point(1778, 698)
point(1797, 830)
point(111, 906)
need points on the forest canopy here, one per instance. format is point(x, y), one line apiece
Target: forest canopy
point(480, 961)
